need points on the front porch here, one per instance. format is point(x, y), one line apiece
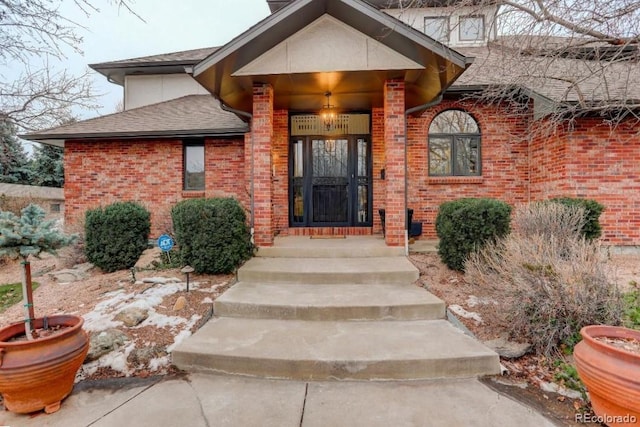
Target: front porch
point(317, 168)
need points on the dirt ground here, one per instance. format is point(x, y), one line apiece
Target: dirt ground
point(81, 297)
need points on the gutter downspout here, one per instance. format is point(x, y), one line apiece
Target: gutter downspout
point(407, 113)
point(250, 117)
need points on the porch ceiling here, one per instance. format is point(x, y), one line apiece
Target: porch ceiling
point(434, 66)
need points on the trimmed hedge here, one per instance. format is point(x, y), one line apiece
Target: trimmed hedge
point(116, 236)
point(592, 210)
point(465, 225)
point(212, 234)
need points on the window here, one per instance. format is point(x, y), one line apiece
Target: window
point(54, 208)
point(471, 28)
point(454, 145)
point(194, 165)
point(437, 27)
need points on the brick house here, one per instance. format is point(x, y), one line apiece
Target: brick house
point(327, 111)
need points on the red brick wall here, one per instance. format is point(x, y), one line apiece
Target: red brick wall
point(504, 157)
point(378, 154)
point(280, 156)
point(394, 138)
point(592, 160)
point(262, 129)
point(150, 172)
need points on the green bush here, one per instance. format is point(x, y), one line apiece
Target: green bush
point(212, 234)
point(592, 210)
point(116, 236)
point(465, 225)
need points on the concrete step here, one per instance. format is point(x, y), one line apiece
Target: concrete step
point(329, 302)
point(349, 247)
point(375, 270)
point(307, 350)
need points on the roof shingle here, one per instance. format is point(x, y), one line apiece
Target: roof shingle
point(189, 115)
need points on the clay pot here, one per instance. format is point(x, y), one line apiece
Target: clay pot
point(38, 374)
point(611, 374)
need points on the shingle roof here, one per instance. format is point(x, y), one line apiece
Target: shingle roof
point(187, 116)
point(192, 56)
point(557, 78)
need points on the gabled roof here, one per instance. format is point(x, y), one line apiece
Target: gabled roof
point(440, 64)
point(275, 5)
point(189, 116)
point(166, 63)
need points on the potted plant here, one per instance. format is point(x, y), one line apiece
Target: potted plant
point(608, 362)
point(39, 357)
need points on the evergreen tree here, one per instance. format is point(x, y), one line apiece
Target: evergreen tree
point(14, 164)
point(47, 166)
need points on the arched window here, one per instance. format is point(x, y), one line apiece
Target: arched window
point(454, 144)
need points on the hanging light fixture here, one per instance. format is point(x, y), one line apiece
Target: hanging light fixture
point(328, 114)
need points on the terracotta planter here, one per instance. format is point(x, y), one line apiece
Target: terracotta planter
point(612, 375)
point(38, 374)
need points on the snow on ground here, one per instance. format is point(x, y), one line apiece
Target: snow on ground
point(102, 318)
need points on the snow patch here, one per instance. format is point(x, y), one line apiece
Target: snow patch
point(185, 333)
point(458, 310)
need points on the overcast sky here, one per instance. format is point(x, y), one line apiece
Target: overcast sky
point(170, 25)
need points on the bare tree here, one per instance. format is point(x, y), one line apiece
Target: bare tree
point(575, 57)
point(33, 33)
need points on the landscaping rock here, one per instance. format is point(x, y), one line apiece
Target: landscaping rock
point(161, 280)
point(103, 342)
point(149, 259)
point(132, 316)
point(73, 274)
point(142, 356)
point(180, 304)
point(563, 391)
point(459, 311)
point(508, 349)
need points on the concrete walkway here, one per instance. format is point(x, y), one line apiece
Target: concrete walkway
point(208, 400)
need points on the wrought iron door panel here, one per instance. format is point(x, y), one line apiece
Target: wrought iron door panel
point(330, 182)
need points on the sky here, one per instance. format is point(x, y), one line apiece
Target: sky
point(169, 26)
point(163, 26)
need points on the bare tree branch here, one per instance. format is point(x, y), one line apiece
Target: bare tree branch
point(36, 31)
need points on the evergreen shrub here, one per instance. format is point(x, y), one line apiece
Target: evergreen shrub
point(466, 225)
point(592, 209)
point(212, 234)
point(116, 235)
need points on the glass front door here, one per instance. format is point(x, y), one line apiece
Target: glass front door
point(330, 181)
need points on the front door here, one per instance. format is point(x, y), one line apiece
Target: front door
point(330, 181)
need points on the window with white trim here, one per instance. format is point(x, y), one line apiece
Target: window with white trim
point(437, 27)
point(471, 28)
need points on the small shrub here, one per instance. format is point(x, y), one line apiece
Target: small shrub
point(591, 228)
point(465, 225)
point(550, 286)
point(212, 234)
point(116, 236)
point(632, 309)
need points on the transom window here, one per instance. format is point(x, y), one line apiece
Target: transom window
point(437, 27)
point(471, 28)
point(194, 164)
point(454, 144)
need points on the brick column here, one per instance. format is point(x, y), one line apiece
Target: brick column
point(395, 162)
point(262, 129)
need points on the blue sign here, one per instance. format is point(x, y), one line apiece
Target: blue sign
point(165, 242)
